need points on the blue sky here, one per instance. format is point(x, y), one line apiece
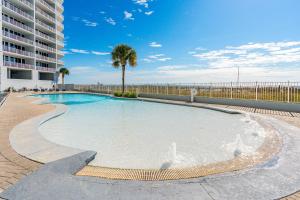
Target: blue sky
point(184, 40)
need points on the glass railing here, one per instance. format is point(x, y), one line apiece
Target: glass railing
point(16, 37)
point(50, 28)
point(18, 51)
point(47, 69)
point(16, 23)
point(47, 5)
point(47, 37)
point(17, 10)
point(27, 3)
point(46, 15)
point(45, 47)
point(45, 58)
point(18, 65)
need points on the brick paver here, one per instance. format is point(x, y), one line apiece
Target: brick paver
point(13, 166)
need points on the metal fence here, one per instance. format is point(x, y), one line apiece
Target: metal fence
point(265, 91)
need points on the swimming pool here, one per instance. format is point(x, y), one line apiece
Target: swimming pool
point(132, 134)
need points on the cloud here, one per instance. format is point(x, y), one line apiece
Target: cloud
point(79, 51)
point(144, 3)
point(100, 53)
point(149, 13)
point(253, 55)
point(128, 15)
point(110, 21)
point(89, 23)
point(155, 45)
point(157, 57)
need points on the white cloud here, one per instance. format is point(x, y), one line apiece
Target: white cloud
point(144, 3)
point(89, 23)
point(149, 13)
point(110, 21)
point(100, 53)
point(79, 51)
point(253, 55)
point(128, 15)
point(155, 45)
point(157, 57)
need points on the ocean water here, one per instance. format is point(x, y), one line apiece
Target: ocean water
point(134, 134)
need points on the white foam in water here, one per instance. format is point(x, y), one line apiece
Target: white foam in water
point(143, 135)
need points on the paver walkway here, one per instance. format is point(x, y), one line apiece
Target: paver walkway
point(13, 166)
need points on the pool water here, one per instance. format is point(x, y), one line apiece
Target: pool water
point(133, 134)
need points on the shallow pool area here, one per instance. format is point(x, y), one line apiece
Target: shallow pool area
point(132, 134)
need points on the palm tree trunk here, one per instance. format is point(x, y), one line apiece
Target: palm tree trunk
point(123, 79)
point(63, 79)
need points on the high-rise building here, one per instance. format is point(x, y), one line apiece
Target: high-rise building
point(31, 43)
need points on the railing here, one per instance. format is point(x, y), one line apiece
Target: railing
point(18, 65)
point(44, 25)
point(18, 51)
point(47, 5)
point(27, 3)
point(47, 69)
point(16, 9)
point(16, 37)
point(47, 37)
point(60, 62)
point(265, 91)
point(18, 24)
point(45, 58)
point(45, 47)
point(46, 15)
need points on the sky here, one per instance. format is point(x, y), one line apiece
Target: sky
point(183, 41)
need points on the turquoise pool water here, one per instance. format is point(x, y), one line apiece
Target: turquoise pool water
point(134, 134)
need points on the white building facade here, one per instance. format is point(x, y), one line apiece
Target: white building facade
point(31, 43)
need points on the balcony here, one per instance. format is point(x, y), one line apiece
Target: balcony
point(44, 25)
point(17, 65)
point(17, 51)
point(60, 34)
point(17, 24)
point(45, 58)
point(27, 3)
point(45, 15)
point(16, 10)
point(44, 36)
point(46, 5)
point(59, 62)
point(44, 47)
point(46, 69)
point(16, 37)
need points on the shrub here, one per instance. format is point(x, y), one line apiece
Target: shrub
point(132, 95)
point(118, 94)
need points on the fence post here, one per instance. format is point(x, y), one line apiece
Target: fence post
point(231, 91)
point(256, 91)
point(156, 89)
point(288, 97)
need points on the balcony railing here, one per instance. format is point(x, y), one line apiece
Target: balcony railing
point(18, 65)
point(17, 10)
point(45, 47)
point(47, 5)
point(46, 69)
point(16, 23)
point(45, 58)
point(45, 15)
point(60, 62)
point(47, 37)
point(16, 37)
point(50, 28)
point(18, 51)
point(60, 34)
point(27, 3)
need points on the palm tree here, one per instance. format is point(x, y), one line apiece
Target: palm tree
point(121, 56)
point(64, 71)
